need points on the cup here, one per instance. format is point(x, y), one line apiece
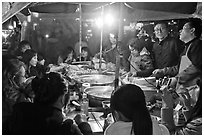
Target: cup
point(106, 108)
point(106, 104)
point(85, 85)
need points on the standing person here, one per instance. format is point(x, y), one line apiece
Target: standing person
point(115, 47)
point(141, 64)
point(145, 39)
point(190, 69)
point(131, 114)
point(166, 52)
point(44, 116)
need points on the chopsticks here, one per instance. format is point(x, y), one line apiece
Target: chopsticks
point(99, 124)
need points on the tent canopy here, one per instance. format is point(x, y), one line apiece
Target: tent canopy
point(140, 11)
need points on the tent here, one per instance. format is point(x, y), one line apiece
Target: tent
point(142, 11)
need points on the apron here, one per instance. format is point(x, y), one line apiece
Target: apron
point(185, 61)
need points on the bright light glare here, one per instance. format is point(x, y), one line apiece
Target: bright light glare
point(10, 27)
point(5, 35)
point(47, 36)
point(99, 22)
point(109, 20)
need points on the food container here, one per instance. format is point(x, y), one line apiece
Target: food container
point(96, 79)
point(97, 94)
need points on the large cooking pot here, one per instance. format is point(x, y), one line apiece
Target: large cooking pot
point(97, 94)
point(96, 79)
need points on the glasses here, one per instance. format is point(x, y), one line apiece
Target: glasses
point(159, 29)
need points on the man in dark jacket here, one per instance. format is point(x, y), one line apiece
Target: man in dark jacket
point(166, 51)
point(191, 62)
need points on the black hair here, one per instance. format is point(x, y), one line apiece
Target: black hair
point(23, 43)
point(66, 52)
point(28, 55)
point(130, 101)
point(87, 49)
point(49, 88)
point(163, 23)
point(135, 43)
point(197, 24)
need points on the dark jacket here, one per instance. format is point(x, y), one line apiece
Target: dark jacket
point(166, 53)
point(195, 69)
point(36, 119)
point(120, 50)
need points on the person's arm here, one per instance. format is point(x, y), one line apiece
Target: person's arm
point(85, 128)
point(170, 71)
point(167, 109)
point(81, 121)
point(188, 74)
point(195, 54)
point(194, 127)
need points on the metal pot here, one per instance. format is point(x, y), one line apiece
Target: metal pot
point(97, 94)
point(96, 79)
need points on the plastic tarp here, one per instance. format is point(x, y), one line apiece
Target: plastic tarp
point(150, 15)
point(10, 9)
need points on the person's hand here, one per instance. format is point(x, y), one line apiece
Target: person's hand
point(134, 74)
point(158, 73)
point(79, 118)
point(166, 96)
point(129, 74)
point(29, 80)
point(186, 99)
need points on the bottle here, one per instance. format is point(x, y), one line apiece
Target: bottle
point(85, 104)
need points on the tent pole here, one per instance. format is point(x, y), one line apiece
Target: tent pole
point(101, 42)
point(120, 35)
point(80, 31)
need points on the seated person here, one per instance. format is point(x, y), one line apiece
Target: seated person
point(22, 47)
point(131, 114)
point(76, 47)
point(44, 116)
point(85, 55)
point(114, 49)
point(13, 91)
point(30, 60)
point(191, 109)
point(140, 61)
point(41, 66)
point(67, 56)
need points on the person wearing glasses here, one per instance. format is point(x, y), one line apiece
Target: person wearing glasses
point(166, 52)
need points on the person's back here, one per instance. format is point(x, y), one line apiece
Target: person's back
point(44, 116)
point(35, 119)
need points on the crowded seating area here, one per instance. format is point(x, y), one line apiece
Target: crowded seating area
point(61, 75)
